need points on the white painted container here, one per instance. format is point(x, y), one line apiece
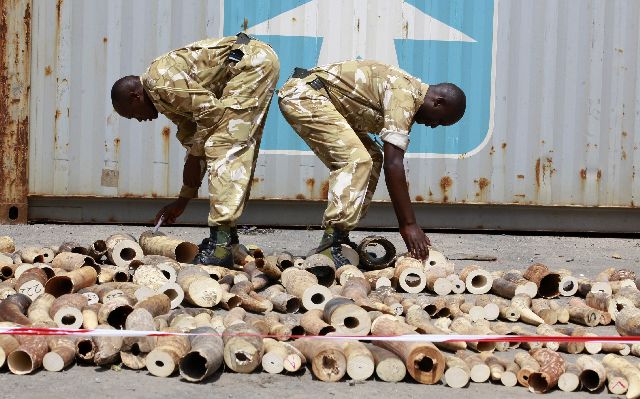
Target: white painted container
point(553, 94)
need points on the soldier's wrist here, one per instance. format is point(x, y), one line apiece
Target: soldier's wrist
point(188, 192)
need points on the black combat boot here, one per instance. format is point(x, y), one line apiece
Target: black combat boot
point(216, 250)
point(331, 245)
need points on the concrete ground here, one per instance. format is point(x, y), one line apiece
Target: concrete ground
point(582, 255)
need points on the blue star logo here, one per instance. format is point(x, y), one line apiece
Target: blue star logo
point(437, 41)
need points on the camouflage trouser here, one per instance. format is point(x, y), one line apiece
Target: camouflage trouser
point(232, 149)
point(354, 159)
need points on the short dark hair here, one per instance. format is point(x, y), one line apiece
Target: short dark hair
point(453, 95)
point(122, 87)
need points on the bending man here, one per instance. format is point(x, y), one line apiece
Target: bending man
point(217, 92)
point(333, 107)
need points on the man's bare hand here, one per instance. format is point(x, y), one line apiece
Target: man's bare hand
point(416, 241)
point(172, 211)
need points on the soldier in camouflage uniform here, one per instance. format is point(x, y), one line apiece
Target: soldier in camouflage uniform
point(333, 107)
point(217, 92)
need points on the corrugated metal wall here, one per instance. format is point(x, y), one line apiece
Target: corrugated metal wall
point(552, 86)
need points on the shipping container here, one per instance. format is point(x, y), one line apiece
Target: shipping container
point(549, 141)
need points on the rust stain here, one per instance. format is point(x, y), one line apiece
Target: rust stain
point(58, 23)
point(520, 195)
point(583, 174)
point(324, 190)
point(130, 195)
point(256, 180)
point(624, 134)
point(504, 145)
point(311, 182)
point(445, 184)
point(492, 150)
point(483, 183)
point(548, 168)
point(419, 198)
point(57, 114)
point(15, 45)
point(26, 21)
point(300, 197)
point(430, 193)
point(47, 70)
point(520, 176)
point(624, 155)
point(166, 133)
point(245, 24)
point(599, 175)
point(104, 39)
point(116, 147)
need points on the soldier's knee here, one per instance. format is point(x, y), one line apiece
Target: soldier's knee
point(362, 159)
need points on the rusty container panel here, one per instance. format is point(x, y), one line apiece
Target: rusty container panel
point(15, 50)
point(552, 87)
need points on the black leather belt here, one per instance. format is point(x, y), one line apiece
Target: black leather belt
point(237, 54)
point(301, 73)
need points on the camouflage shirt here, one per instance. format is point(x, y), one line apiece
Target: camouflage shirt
point(374, 97)
point(186, 85)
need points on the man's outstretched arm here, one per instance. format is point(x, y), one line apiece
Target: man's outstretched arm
point(192, 175)
point(416, 241)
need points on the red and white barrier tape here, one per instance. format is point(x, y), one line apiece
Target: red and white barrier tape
point(401, 338)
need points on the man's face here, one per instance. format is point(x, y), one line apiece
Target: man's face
point(438, 115)
point(137, 108)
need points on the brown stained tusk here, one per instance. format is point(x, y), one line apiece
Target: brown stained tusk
point(368, 261)
point(424, 362)
point(159, 244)
point(14, 308)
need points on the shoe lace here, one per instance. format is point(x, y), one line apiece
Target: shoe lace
point(204, 244)
point(338, 258)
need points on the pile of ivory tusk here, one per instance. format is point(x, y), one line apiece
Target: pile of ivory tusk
point(148, 285)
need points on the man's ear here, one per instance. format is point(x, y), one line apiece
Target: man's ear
point(134, 97)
